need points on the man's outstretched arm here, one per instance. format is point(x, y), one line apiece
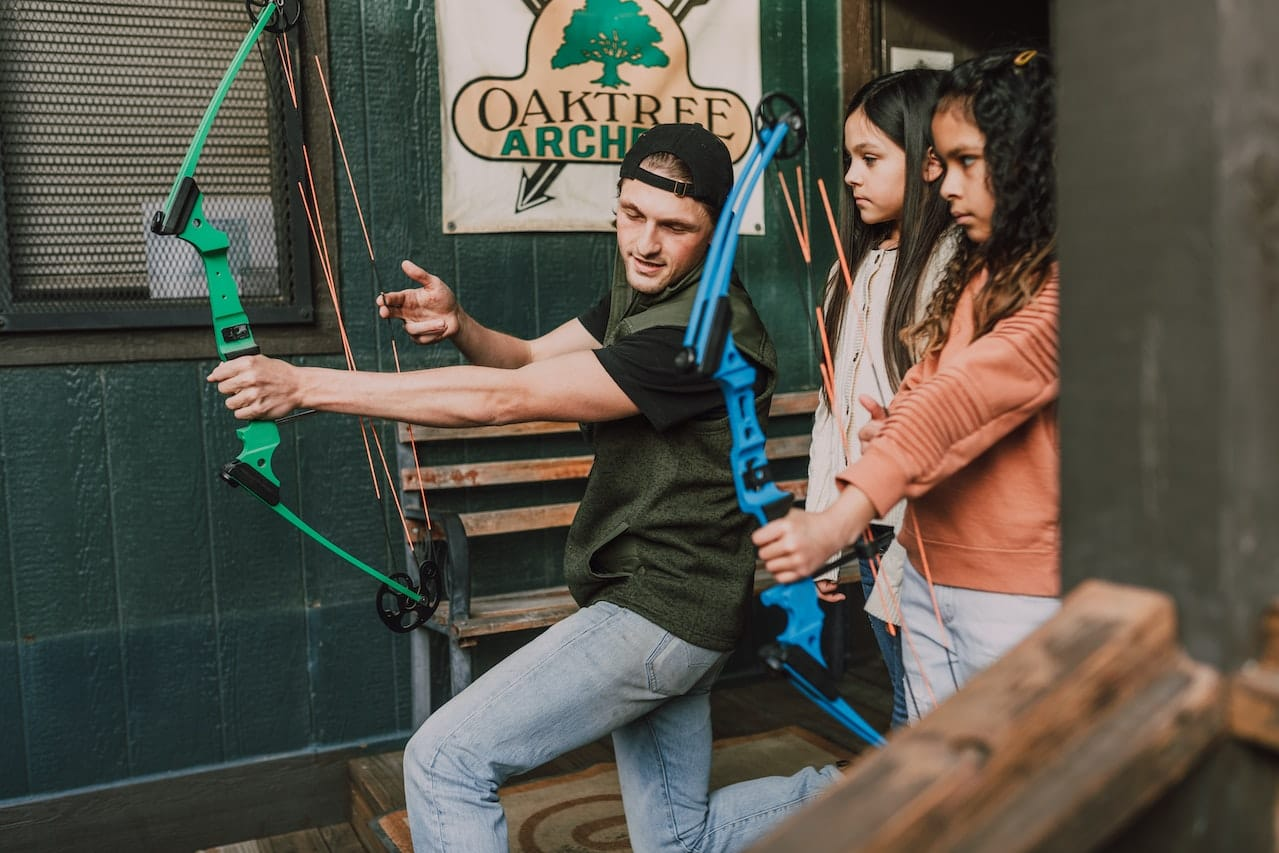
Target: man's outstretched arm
point(569, 387)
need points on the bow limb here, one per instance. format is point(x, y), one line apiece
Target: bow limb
point(709, 346)
point(175, 217)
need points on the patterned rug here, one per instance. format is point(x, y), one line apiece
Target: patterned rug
point(582, 812)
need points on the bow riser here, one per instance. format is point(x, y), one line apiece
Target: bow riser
point(757, 495)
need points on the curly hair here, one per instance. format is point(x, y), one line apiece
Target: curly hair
point(1009, 95)
point(901, 106)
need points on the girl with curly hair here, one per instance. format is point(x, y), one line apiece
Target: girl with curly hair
point(971, 440)
point(897, 237)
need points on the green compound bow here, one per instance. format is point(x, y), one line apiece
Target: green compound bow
point(401, 603)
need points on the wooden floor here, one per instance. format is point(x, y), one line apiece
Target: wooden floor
point(741, 706)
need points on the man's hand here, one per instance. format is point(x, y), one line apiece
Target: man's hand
point(430, 312)
point(258, 388)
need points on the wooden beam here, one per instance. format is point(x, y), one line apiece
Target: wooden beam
point(507, 471)
point(1163, 486)
point(1065, 738)
point(1108, 770)
point(1254, 691)
point(539, 608)
point(1269, 655)
point(1254, 705)
point(790, 403)
point(472, 474)
point(857, 44)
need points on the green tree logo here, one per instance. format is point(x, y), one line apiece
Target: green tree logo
point(612, 32)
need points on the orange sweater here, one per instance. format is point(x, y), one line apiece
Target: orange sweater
point(972, 440)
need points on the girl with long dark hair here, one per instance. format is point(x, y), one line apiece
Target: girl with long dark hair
point(896, 235)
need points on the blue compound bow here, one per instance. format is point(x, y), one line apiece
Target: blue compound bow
point(708, 344)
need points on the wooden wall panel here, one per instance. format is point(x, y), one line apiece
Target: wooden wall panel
point(163, 577)
point(63, 576)
point(13, 738)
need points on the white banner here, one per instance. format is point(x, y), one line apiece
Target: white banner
point(540, 100)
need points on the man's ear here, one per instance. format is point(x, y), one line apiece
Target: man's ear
point(932, 166)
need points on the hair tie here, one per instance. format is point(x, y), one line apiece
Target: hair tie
point(1024, 57)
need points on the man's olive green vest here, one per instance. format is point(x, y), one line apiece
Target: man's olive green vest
point(659, 530)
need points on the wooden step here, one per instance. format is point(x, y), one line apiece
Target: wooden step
point(338, 838)
point(377, 787)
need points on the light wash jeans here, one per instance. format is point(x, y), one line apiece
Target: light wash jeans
point(890, 646)
point(977, 628)
point(602, 670)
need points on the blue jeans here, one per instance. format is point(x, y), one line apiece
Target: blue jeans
point(890, 646)
point(602, 670)
point(976, 629)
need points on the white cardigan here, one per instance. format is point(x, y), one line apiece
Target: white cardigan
point(862, 340)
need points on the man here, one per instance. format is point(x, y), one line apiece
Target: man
point(659, 556)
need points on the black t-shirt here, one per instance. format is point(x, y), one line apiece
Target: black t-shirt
point(643, 366)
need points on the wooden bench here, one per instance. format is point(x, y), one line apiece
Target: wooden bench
point(449, 486)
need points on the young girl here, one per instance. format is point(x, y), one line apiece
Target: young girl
point(972, 436)
point(892, 224)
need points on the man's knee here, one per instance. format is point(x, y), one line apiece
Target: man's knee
point(448, 759)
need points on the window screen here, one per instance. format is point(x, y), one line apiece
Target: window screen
point(98, 102)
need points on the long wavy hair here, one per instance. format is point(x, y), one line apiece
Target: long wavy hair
point(1009, 95)
point(901, 106)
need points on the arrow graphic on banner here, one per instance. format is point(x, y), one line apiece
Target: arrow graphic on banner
point(680, 8)
point(534, 189)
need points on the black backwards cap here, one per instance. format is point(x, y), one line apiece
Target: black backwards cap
point(702, 151)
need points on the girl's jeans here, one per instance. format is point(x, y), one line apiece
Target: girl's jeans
point(977, 628)
point(890, 646)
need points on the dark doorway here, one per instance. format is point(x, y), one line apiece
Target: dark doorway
point(902, 27)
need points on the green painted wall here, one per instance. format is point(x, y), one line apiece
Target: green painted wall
point(152, 620)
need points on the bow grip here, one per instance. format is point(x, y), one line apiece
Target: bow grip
point(778, 508)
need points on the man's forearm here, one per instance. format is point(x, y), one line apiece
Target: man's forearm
point(457, 396)
point(487, 347)
point(570, 387)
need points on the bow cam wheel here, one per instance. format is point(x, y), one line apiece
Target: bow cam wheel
point(287, 13)
point(398, 611)
point(778, 107)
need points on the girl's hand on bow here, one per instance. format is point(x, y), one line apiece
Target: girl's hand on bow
point(878, 414)
point(797, 545)
point(828, 590)
point(430, 311)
